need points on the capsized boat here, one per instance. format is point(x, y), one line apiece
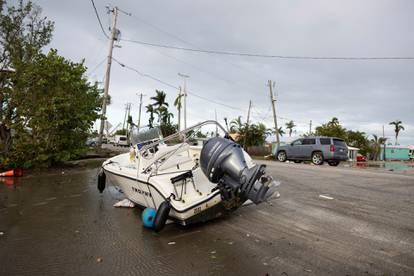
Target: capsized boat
point(187, 183)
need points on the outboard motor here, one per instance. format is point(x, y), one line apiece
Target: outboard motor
point(223, 162)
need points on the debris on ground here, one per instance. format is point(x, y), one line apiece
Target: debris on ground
point(126, 203)
point(1, 233)
point(171, 243)
point(325, 197)
point(99, 260)
point(213, 252)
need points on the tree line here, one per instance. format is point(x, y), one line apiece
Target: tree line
point(255, 134)
point(47, 105)
point(370, 147)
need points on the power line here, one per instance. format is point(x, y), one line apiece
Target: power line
point(99, 20)
point(173, 86)
point(192, 45)
point(228, 53)
point(97, 66)
point(190, 92)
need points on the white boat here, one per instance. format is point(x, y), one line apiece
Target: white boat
point(187, 183)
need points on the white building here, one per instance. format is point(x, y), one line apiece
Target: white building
point(352, 153)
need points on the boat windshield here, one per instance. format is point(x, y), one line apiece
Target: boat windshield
point(145, 136)
point(148, 148)
point(186, 136)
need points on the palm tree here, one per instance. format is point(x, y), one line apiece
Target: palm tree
point(397, 129)
point(150, 110)
point(178, 105)
point(256, 136)
point(280, 131)
point(160, 104)
point(164, 116)
point(376, 144)
point(236, 125)
point(290, 125)
point(159, 99)
point(333, 122)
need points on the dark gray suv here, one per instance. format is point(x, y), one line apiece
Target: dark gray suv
point(316, 149)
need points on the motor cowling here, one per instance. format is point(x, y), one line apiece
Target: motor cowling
point(223, 162)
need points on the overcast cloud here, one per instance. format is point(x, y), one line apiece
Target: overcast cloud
point(364, 95)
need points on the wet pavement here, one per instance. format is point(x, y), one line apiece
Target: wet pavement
point(388, 166)
point(328, 221)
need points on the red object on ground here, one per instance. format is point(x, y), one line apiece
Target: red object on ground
point(7, 180)
point(361, 158)
point(11, 173)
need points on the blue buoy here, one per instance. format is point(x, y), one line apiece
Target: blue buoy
point(148, 217)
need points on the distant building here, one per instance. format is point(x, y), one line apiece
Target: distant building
point(397, 153)
point(352, 153)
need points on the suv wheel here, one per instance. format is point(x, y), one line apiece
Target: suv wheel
point(333, 163)
point(317, 158)
point(281, 156)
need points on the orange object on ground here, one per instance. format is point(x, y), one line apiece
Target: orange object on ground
point(15, 172)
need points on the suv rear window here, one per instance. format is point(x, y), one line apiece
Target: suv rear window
point(339, 142)
point(325, 141)
point(309, 142)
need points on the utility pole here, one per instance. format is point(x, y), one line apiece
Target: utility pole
point(247, 125)
point(129, 112)
point(215, 117)
point(272, 100)
point(128, 125)
point(179, 108)
point(140, 108)
point(185, 77)
point(310, 127)
point(114, 32)
point(125, 116)
point(385, 142)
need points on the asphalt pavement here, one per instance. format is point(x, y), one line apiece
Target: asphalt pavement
point(328, 221)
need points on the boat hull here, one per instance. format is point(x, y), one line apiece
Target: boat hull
point(145, 194)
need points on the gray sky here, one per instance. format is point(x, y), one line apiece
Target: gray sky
point(364, 95)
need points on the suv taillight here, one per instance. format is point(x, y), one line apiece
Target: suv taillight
point(332, 148)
